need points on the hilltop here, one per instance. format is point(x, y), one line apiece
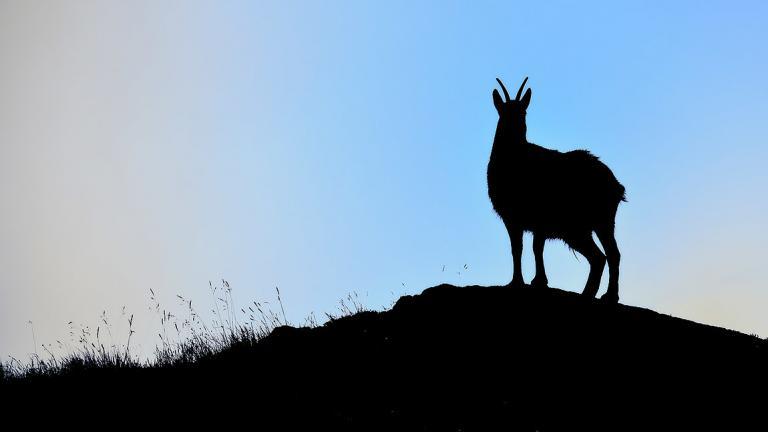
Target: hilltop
point(469, 358)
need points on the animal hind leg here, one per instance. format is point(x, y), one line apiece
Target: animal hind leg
point(608, 240)
point(540, 280)
point(587, 247)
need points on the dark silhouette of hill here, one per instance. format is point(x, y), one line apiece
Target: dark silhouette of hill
point(472, 358)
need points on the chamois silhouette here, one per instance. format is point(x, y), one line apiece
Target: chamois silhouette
point(553, 195)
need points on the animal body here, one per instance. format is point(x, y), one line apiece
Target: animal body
point(553, 195)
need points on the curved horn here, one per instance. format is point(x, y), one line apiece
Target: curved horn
point(504, 89)
point(520, 92)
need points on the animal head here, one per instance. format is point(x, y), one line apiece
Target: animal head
point(512, 111)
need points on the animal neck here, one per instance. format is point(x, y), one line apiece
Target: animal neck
point(510, 134)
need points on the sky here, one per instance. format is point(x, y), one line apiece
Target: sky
point(339, 147)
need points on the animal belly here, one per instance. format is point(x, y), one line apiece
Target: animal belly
point(540, 213)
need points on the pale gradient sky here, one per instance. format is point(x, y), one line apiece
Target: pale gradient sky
point(331, 147)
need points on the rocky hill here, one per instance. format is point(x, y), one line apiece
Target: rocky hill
point(469, 358)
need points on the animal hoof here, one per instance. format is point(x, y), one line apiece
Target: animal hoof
point(516, 284)
point(609, 297)
point(539, 283)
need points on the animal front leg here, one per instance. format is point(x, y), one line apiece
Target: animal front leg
point(540, 280)
point(516, 239)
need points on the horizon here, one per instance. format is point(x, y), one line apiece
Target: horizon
point(342, 148)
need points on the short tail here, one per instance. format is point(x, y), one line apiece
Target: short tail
point(622, 192)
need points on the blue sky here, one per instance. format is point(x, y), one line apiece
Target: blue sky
point(337, 147)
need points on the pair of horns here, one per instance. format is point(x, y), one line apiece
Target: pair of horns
point(519, 91)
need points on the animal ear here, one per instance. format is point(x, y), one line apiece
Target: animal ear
point(526, 99)
point(497, 102)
